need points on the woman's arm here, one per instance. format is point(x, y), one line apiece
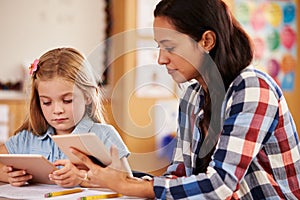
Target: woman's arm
point(136, 187)
point(71, 175)
point(114, 177)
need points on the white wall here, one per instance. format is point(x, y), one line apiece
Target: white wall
point(28, 28)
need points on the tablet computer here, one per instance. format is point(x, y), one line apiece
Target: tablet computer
point(88, 143)
point(36, 165)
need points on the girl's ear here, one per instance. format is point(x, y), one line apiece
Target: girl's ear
point(208, 40)
point(88, 100)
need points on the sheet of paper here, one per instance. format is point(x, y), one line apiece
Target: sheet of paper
point(37, 191)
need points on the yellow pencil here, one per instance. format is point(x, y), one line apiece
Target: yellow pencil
point(101, 196)
point(63, 192)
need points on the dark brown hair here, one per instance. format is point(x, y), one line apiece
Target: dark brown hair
point(233, 50)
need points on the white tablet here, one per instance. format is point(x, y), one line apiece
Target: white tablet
point(36, 165)
point(88, 143)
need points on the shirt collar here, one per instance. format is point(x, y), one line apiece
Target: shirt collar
point(84, 126)
point(49, 133)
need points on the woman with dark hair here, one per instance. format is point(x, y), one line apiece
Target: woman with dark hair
point(236, 137)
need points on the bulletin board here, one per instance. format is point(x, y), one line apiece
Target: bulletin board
point(272, 24)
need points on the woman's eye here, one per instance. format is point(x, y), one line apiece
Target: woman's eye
point(169, 49)
point(166, 48)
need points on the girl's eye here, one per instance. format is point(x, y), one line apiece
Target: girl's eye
point(47, 103)
point(68, 101)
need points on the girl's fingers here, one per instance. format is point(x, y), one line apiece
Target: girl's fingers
point(18, 178)
point(17, 173)
point(61, 162)
point(7, 169)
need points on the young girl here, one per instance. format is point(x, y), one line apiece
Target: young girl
point(65, 99)
point(236, 137)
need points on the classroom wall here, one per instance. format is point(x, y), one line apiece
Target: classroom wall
point(293, 96)
point(31, 27)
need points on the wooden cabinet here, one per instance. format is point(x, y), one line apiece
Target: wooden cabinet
point(17, 110)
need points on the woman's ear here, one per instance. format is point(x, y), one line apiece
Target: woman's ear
point(208, 40)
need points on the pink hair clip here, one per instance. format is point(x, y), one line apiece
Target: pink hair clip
point(33, 67)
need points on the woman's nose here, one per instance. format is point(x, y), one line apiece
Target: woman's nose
point(162, 59)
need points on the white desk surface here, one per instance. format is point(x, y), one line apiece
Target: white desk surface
point(38, 191)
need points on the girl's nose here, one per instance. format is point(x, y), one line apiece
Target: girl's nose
point(58, 108)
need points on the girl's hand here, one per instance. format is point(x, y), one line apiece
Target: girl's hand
point(68, 176)
point(109, 177)
point(16, 177)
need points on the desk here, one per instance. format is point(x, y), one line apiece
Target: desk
point(2, 198)
point(37, 191)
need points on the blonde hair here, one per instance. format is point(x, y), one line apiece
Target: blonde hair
point(69, 64)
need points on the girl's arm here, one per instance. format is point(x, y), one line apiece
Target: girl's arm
point(3, 168)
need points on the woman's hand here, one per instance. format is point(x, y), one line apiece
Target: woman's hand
point(115, 176)
point(68, 176)
point(16, 177)
point(109, 177)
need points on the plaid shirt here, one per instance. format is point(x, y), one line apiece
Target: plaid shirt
point(257, 155)
point(189, 137)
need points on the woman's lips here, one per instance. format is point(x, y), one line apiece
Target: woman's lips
point(171, 71)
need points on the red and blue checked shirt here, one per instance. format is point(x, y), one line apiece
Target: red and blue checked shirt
point(257, 155)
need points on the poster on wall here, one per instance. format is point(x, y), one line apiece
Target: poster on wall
point(272, 26)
